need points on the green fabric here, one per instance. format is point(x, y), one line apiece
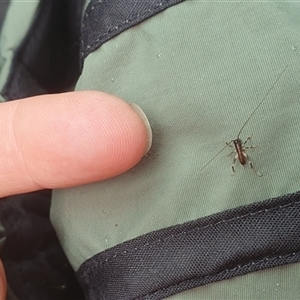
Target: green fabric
point(281, 283)
point(198, 70)
point(18, 19)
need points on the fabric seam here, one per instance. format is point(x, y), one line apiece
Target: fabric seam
point(127, 21)
point(252, 263)
point(158, 241)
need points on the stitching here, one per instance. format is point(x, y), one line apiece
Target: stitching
point(119, 26)
point(252, 263)
point(224, 221)
point(190, 231)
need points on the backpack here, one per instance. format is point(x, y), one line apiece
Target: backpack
point(177, 225)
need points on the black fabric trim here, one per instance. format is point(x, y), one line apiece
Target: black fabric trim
point(48, 59)
point(105, 19)
point(168, 261)
point(3, 8)
point(35, 264)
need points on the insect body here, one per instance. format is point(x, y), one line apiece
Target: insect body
point(240, 153)
point(239, 146)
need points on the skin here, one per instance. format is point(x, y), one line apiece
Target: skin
point(64, 140)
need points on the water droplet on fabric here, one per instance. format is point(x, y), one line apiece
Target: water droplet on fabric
point(260, 174)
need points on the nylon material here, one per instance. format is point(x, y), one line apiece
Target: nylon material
point(48, 59)
point(228, 274)
point(116, 17)
point(3, 8)
point(32, 251)
point(276, 283)
point(201, 254)
point(12, 33)
point(219, 223)
point(196, 95)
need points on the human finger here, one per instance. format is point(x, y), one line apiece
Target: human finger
point(62, 140)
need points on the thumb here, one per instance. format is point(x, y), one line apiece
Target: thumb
point(62, 140)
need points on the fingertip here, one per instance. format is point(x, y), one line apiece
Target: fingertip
point(81, 137)
point(147, 125)
point(63, 140)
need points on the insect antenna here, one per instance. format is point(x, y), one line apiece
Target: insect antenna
point(263, 99)
point(214, 157)
point(256, 108)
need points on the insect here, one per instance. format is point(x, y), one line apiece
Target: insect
point(240, 153)
point(239, 147)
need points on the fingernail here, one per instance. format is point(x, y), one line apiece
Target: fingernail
point(144, 118)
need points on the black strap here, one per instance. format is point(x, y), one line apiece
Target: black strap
point(36, 266)
point(47, 60)
point(105, 19)
point(168, 261)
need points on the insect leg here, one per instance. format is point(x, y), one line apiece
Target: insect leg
point(228, 144)
point(253, 169)
point(230, 153)
point(251, 165)
point(250, 147)
point(232, 166)
point(248, 138)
